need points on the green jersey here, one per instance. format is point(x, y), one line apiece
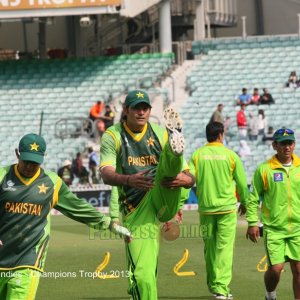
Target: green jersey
point(218, 172)
point(278, 187)
point(25, 205)
point(130, 153)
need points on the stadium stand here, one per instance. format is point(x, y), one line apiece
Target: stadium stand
point(227, 67)
point(64, 89)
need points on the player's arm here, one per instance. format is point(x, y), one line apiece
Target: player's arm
point(241, 183)
point(108, 154)
point(79, 209)
point(252, 206)
point(114, 206)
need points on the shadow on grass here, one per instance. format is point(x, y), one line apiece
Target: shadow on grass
point(164, 297)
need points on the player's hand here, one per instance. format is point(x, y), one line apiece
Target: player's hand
point(179, 216)
point(1, 244)
point(122, 231)
point(242, 209)
point(141, 180)
point(180, 180)
point(253, 233)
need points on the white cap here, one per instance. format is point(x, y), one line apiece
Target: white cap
point(67, 163)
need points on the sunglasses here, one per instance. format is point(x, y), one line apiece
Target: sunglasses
point(284, 130)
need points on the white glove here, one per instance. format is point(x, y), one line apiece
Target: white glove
point(122, 231)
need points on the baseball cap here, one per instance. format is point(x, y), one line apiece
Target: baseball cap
point(135, 97)
point(32, 147)
point(284, 134)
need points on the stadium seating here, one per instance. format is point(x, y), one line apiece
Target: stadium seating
point(64, 89)
point(221, 74)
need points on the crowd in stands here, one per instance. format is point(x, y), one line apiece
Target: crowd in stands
point(255, 98)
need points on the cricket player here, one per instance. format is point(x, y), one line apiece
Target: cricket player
point(277, 181)
point(219, 172)
point(27, 195)
point(145, 161)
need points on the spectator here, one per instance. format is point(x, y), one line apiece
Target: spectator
point(293, 80)
point(96, 110)
point(266, 97)
point(93, 165)
point(244, 98)
point(66, 173)
point(227, 133)
point(79, 170)
point(217, 116)
point(244, 149)
point(108, 117)
point(262, 122)
point(253, 127)
point(268, 137)
point(255, 97)
point(242, 121)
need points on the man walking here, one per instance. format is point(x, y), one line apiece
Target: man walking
point(218, 171)
point(276, 181)
point(146, 163)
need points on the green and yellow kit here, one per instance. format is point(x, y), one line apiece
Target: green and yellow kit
point(219, 174)
point(25, 205)
point(278, 188)
point(130, 153)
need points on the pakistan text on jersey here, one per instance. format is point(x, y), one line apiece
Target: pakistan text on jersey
point(142, 161)
point(23, 208)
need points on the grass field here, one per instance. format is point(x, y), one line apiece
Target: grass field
point(71, 250)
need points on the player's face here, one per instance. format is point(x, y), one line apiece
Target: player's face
point(284, 150)
point(27, 168)
point(138, 116)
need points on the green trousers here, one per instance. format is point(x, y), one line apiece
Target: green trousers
point(20, 284)
point(218, 249)
point(159, 205)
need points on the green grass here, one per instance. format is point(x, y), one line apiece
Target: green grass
point(71, 250)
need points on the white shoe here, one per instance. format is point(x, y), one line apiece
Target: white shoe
point(220, 296)
point(173, 124)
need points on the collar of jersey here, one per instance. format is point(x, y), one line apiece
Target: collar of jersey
point(23, 180)
point(136, 136)
point(215, 144)
point(276, 164)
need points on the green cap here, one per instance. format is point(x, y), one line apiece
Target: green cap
point(284, 134)
point(135, 97)
point(32, 147)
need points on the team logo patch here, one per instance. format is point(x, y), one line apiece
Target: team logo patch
point(278, 177)
point(10, 186)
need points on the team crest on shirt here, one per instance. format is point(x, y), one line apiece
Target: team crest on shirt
point(10, 186)
point(278, 177)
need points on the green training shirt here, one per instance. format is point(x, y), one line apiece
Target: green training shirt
point(280, 193)
point(25, 206)
point(131, 153)
point(219, 172)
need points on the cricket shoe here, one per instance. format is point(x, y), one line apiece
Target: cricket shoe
point(220, 296)
point(173, 124)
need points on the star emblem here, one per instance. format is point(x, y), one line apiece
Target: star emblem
point(150, 142)
point(285, 133)
point(43, 189)
point(34, 146)
point(140, 95)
